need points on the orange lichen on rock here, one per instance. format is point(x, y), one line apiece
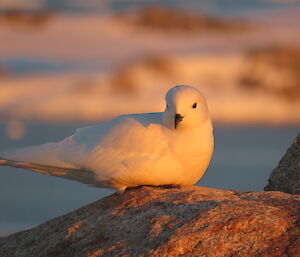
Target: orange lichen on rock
point(96, 253)
point(73, 229)
point(159, 225)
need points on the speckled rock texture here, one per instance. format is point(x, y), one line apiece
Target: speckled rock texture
point(286, 177)
point(148, 221)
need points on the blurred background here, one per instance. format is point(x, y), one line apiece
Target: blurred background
point(70, 63)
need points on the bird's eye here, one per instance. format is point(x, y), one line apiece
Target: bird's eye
point(195, 105)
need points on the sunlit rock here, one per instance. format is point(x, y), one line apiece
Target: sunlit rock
point(147, 221)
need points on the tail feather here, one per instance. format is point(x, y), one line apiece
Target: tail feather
point(82, 175)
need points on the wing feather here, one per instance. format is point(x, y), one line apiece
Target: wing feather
point(81, 175)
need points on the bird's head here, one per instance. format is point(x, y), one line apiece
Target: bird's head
point(186, 108)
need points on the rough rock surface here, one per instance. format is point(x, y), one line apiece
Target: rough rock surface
point(286, 177)
point(147, 221)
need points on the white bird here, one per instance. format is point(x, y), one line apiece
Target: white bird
point(173, 147)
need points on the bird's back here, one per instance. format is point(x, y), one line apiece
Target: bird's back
point(133, 149)
point(111, 149)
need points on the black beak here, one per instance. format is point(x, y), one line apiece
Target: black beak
point(178, 118)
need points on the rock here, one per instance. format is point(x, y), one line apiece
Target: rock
point(126, 79)
point(148, 221)
point(273, 70)
point(166, 19)
point(286, 177)
point(18, 18)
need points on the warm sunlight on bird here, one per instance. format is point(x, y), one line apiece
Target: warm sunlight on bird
point(170, 147)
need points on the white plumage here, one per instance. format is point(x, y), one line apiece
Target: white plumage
point(170, 147)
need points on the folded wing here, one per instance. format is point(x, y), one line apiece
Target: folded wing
point(96, 155)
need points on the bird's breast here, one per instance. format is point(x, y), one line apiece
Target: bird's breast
point(193, 150)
